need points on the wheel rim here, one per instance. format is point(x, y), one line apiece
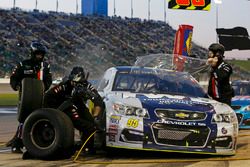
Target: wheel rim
point(43, 134)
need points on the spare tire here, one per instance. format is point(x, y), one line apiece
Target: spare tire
point(48, 134)
point(31, 97)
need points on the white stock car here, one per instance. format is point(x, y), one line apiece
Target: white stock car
point(164, 110)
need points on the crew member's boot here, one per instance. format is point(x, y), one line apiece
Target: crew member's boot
point(17, 145)
point(89, 147)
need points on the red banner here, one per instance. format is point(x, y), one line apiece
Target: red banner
point(183, 40)
point(182, 45)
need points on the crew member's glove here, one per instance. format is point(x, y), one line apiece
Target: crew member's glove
point(212, 61)
point(79, 90)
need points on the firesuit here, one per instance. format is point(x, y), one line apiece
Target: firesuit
point(31, 69)
point(35, 67)
point(219, 87)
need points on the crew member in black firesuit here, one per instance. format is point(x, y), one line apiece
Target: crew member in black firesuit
point(35, 67)
point(219, 87)
point(70, 96)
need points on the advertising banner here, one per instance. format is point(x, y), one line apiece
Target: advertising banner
point(183, 40)
point(190, 4)
point(182, 45)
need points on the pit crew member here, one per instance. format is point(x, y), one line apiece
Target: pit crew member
point(34, 67)
point(70, 96)
point(219, 87)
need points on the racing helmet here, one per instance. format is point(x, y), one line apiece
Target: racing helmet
point(77, 75)
point(217, 49)
point(36, 48)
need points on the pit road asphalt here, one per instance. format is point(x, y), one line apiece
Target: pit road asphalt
point(8, 125)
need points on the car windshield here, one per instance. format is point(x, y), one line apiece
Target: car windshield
point(242, 89)
point(157, 81)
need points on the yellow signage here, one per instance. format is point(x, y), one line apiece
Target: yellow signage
point(189, 4)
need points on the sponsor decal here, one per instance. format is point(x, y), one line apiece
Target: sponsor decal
point(139, 71)
point(172, 101)
point(112, 132)
point(113, 129)
point(224, 130)
point(181, 123)
point(115, 119)
point(133, 123)
point(28, 71)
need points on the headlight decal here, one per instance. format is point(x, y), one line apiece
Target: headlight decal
point(127, 110)
point(226, 118)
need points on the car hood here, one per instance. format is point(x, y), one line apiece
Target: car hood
point(175, 102)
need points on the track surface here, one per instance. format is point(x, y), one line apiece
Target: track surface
point(5, 88)
point(8, 126)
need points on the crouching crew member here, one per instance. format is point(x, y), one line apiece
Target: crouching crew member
point(70, 96)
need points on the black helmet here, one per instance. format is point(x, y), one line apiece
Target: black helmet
point(217, 48)
point(37, 48)
point(77, 74)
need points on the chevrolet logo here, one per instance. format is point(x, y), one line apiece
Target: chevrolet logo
point(181, 115)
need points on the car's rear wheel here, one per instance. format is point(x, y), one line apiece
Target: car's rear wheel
point(48, 134)
point(31, 97)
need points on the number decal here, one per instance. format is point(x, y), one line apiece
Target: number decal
point(183, 2)
point(198, 2)
point(193, 2)
point(133, 123)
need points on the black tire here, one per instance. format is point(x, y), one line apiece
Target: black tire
point(48, 134)
point(31, 97)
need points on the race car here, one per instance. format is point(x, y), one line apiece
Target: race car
point(164, 110)
point(241, 102)
point(148, 106)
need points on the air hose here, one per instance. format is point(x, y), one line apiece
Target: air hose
point(77, 155)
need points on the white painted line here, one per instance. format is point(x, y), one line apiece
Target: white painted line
point(5, 150)
point(12, 110)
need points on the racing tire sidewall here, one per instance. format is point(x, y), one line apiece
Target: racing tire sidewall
point(31, 97)
point(62, 129)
